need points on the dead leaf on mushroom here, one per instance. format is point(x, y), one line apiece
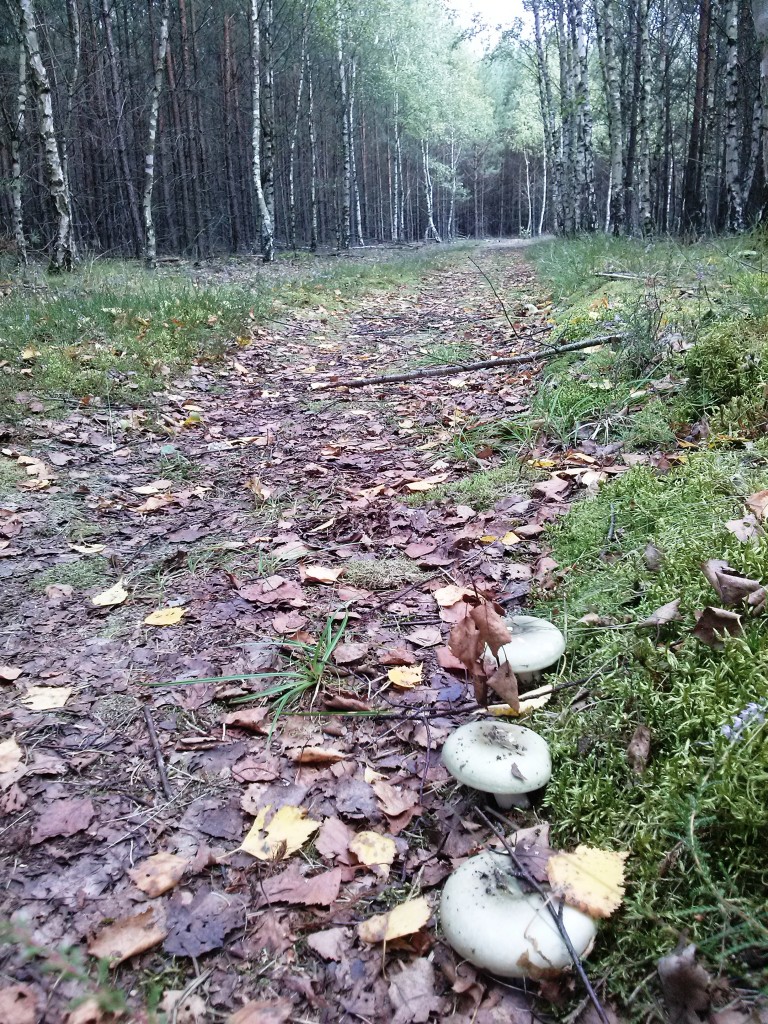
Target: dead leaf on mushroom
point(589, 879)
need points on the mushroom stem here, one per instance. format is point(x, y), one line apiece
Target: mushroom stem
point(507, 800)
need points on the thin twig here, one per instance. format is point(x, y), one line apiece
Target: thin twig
point(498, 297)
point(167, 791)
point(191, 987)
point(556, 915)
point(485, 364)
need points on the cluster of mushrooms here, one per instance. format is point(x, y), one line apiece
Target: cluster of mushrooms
point(486, 915)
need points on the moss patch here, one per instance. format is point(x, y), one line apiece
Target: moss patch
point(381, 573)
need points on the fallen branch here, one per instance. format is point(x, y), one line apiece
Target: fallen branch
point(167, 791)
point(485, 364)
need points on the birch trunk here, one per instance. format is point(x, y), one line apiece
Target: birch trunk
point(586, 159)
point(122, 149)
point(345, 225)
point(266, 230)
point(292, 145)
point(355, 193)
point(17, 133)
point(645, 222)
point(268, 107)
point(312, 162)
point(150, 239)
point(692, 198)
point(431, 230)
point(73, 17)
point(551, 135)
point(733, 184)
point(63, 257)
point(613, 109)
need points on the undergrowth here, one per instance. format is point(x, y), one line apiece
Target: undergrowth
point(694, 820)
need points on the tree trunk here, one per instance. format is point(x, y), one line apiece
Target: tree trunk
point(122, 149)
point(63, 257)
point(551, 135)
point(312, 162)
point(760, 17)
point(268, 107)
point(292, 145)
point(431, 231)
point(586, 160)
point(355, 194)
point(692, 197)
point(267, 238)
point(17, 133)
point(613, 109)
point(345, 225)
point(733, 184)
point(150, 240)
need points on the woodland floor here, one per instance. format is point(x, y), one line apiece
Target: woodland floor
point(223, 503)
point(291, 535)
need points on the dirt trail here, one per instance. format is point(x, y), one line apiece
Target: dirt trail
point(220, 506)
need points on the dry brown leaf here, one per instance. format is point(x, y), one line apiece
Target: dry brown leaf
point(715, 623)
point(758, 503)
point(183, 1008)
point(320, 573)
point(46, 698)
point(287, 831)
point(404, 919)
point(19, 1004)
point(262, 1011)
point(158, 873)
point(130, 935)
point(8, 673)
point(450, 595)
point(667, 613)
point(589, 879)
point(317, 755)
point(10, 755)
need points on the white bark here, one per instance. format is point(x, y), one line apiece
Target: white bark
point(267, 237)
point(312, 162)
point(292, 145)
point(64, 247)
point(431, 230)
point(345, 227)
point(613, 105)
point(733, 184)
point(150, 240)
point(16, 137)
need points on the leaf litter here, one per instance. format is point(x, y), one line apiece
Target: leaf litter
point(131, 801)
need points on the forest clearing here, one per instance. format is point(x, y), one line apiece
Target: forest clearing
point(383, 503)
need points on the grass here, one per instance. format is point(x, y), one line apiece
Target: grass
point(113, 332)
point(479, 490)
point(693, 822)
point(81, 574)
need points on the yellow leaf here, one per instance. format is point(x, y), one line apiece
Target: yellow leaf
point(372, 848)
point(405, 677)
point(109, 598)
point(30, 353)
point(10, 755)
point(404, 919)
point(286, 833)
point(529, 701)
point(542, 463)
point(165, 617)
point(46, 698)
point(320, 574)
point(488, 538)
point(154, 488)
point(510, 538)
point(258, 489)
point(589, 879)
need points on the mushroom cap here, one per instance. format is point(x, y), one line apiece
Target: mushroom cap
point(498, 757)
point(535, 644)
point(490, 921)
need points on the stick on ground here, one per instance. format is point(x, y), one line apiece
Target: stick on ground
point(167, 791)
point(485, 364)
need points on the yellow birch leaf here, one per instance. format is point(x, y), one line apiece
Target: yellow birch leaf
point(589, 879)
point(286, 833)
point(109, 598)
point(46, 698)
point(404, 919)
point(450, 595)
point(372, 848)
point(510, 538)
point(88, 549)
point(165, 617)
point(405, 677)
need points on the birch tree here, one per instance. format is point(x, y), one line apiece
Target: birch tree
point(150, 240)
point(265, 218)
point(64, 254)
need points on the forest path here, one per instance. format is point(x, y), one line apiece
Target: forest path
point(259, 505)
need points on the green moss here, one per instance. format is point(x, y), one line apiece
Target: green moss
point(693, 821)
point(725, 364)
point(81, 574)
point(479, 490)
point(381, 573)
point(11, 475)
point(649, 427)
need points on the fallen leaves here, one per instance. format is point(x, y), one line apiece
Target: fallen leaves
point(46, 698)
point(165, 617)
point(63, 818)
point(287, 831)
point(129, 936)
point(10, 755)
point(112, 597)
point(483, 627)
point(405, 677)
point(158, 873)
point(404, 919)
point(589, 879)
point(197, 924)
point(374, 849)
point(320, 574)
point(715, 623)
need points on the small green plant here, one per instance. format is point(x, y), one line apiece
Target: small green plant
point(445, 353)
point(82, 574)
point(481, 490)
point(649, 427)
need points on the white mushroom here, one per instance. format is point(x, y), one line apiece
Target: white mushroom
point(490, 921)
point(535, 645)
point(502, 758)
